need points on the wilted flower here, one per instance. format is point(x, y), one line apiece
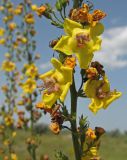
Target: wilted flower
point(55, 128)
point(90, 134)
point(40, 11)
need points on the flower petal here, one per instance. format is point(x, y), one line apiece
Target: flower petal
point(69, 25)
point(47, 74)
point(56, 63)
point(65, 91)
point(84, 59)
point(107, 101)
point(49, 99)
point(97, 44)
point(65, 45)
point(67, 74)
point(97, 30)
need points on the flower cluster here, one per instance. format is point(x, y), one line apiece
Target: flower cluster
point(76, 48)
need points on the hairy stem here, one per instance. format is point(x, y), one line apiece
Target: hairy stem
point(75, 140)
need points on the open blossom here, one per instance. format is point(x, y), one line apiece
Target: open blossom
point(29, 86)
point(83, 41)
point(31, 70)
point(8, 66)
point(56, 84)
point(99, 93)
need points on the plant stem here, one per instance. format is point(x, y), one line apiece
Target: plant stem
point(75, 140)
point(31, 116)
point(75, 3)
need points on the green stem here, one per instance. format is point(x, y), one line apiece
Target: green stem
point(75, 140)
point(75, 3)
point(57, 18)
point(62, 15)
point(34, 154)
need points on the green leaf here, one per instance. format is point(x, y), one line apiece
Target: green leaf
point(58, 5)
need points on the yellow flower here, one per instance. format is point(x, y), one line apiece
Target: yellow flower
point(29, 86)
point(34, 7)
point(8, 120)
point(24, 40)
point(99, 93)
point(2, 31)
point(29, 18)
point(14, 134)
point(15, 44)
point(70, 62)
point(1, 8)
point(7, 18)
point(90, 134)
point(2, 41)
point(11, 10)
point(92, 73)
point(8, 66)
point(31, 70)
point(7, 55)
point(93, 151)
point(92, 154)
point(81, 41)
point(18, 9)
point(40, 11)
point(56, 83)
point(14, 156)
point(12, 26)
point(4, 88)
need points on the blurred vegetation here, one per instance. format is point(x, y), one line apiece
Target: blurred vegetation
point(113, 146)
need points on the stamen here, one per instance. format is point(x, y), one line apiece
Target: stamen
point(82, 39)
point(100, 93)
point(50, 85)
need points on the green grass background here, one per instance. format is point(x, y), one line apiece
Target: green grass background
point(113, 147)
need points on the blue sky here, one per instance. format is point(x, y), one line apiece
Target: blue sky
point(113, 56)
